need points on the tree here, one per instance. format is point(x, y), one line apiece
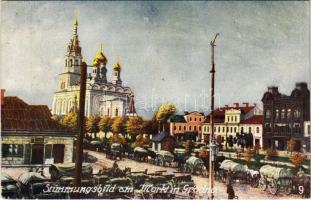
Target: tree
point(105, 125)
point(92, 124)
point(165, 111)
point(248, 155)
point(117, 138)
point(270, 153)
point(297, 159)
point(219, 141)
point(141, 141)
point(134, 126)
point(148, 127)
point(291, 145)
point(204, 155)
point(70, 120)
point(118, 125)
point(56, 118)
point(189, 146)
point(257, 148)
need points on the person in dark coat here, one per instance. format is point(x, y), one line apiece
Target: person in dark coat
point(230, 192)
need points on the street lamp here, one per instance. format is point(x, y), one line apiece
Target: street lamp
point(212, 137)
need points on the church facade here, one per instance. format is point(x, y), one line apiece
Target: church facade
point(102, 97)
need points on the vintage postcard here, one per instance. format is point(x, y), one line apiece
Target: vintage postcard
point(155, 99)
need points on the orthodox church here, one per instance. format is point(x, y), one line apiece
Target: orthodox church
point(102, 97)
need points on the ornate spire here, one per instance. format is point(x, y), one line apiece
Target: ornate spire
point(74, 45)
point(75, 25)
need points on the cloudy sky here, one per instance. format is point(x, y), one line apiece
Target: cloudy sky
point(163, 47)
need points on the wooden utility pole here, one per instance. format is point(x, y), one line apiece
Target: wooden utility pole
point(212, 137)
point(81, 128)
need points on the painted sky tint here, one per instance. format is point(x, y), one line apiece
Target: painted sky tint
point(163, 47)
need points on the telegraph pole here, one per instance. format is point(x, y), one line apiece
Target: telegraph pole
point(81, 128)
point(212, 138)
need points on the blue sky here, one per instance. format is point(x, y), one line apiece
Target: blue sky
point(163, 47)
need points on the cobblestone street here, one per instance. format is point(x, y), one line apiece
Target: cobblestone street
point(243, 191)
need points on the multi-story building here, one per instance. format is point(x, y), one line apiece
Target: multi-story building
point(187, 126)
point(103, 97)
point(232, 120)
point(284, 116)
point(307, 132)
point(30, 136)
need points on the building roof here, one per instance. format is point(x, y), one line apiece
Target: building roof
point(219, 113)
point(160, 136)
point(256, 119)
point(217, 119)
point(177, 119)
point(16, 115)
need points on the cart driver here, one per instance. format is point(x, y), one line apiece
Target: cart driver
point(300, 173)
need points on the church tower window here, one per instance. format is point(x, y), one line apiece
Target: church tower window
point(116, 112)
point(76, 62)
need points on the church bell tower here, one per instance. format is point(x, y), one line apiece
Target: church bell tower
point(72, 61)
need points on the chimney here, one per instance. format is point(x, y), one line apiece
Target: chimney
point(186, 112)
point(245, 104)
point(236, 105)
point(301, 85)
point(226, 106)
point(273, 89)
point(2, 96)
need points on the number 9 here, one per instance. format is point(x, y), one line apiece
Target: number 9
point(301, 189)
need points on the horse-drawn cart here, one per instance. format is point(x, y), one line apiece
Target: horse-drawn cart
point(194, 165)
point(163, 158)
point(140, 154)
point(275, 179)
point(234, 171)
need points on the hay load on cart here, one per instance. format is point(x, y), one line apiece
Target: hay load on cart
point(275, 179)
point(194, 165)
point(232, 171)
point(164, 157)
point(230, 165)
point(68, 169)
point(114, 151)
point(274, 172)
point(9, 189)
point(140, 154)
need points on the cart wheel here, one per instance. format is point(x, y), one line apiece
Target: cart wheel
point(262, 184)
point(289, 188)
point(273, 187)
point(254, 182)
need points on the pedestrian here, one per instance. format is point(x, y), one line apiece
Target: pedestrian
point(230, 192)
point(229, 178)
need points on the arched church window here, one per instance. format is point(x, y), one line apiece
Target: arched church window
point(116, 114)
point(62, 86)
point(76, 62)
point(108, 112)
point(58, 107)
point(65, 62)
point(70, 63)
